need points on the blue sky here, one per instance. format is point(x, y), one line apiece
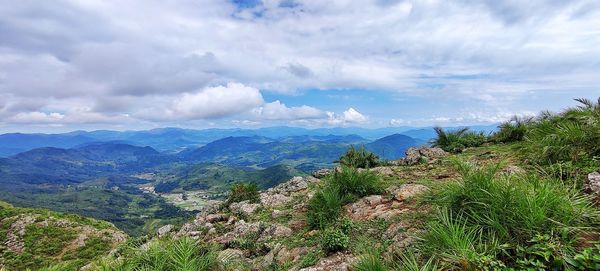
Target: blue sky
point(74, 64)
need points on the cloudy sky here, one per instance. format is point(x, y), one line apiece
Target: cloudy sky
point(137, 64)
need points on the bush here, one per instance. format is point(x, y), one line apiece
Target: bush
point(244, 191)
point(371, 261)
point(487, 209)
point(572, 135)
point(334, 240)
point(166, 255)
point(351, 182)
point(360, 158)
point(512, 130)
point(324, 207)
point(457, 140)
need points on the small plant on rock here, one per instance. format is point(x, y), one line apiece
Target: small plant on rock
point(334, 240)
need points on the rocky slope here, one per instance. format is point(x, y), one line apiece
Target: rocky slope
point(35, 238)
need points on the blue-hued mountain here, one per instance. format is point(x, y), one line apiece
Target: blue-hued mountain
point(393, 146)
point(175, 139)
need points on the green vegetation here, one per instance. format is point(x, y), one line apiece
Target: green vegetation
point(183, 254)
point(360, 158)
point(341, 188)
point(457, 140)
point(334, 240)
point(51, 238)
point(244, 191)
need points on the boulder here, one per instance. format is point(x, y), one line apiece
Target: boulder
point(320, 173)
point(336, 262)
point(274, 200)
point(593, 183)
point(164, 230)
point(416, 155)
point(275, 231)
point(406, 192)
point(244, 207)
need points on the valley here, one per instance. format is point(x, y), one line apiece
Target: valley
point(139, 187)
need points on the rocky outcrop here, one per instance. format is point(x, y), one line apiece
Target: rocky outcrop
point(416, 155)
point(321, 173)
point(336, 262)
point(406, 192)
point(244, 207)
point(593, 184)
point(164, 230)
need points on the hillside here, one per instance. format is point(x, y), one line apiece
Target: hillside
point(508, 201)
point(36, 238)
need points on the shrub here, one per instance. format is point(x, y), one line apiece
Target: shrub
point(165, 255)
point(515, 208)
point(513, 130)
point(360, 158)
point(458, 140)
point(334, 240)
point(588, 259)
point(324, 207)
point(244, 191)
point(572, 135)
point(351, 182)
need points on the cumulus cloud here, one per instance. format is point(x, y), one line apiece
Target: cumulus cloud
point(208, 103)
point(108, 57)
point(350, 116)
point(279, 111)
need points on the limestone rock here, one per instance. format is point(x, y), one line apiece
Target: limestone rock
point(336, 262)
point(320, 173)
point(274, 200)
point(244, 207)
point(162, 231)
point(416, 155)
point(275, 231)
point(593, 183)
point(407, 191)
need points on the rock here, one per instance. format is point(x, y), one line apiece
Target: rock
point(593, 183)
point(212, 218)
point(162, 231)
point(510, 170)
point(293, 185)
point(244, 207)
point(320, 173)
point(286, 255)
point(297, 224)
point(14, 235)
point(275, 231)
point(407, 191)
point(274, 200)
point(374, 200)
point(416, 155)
point(242, 228)
point(336, 262)
point(385, 171)
point(277, 214)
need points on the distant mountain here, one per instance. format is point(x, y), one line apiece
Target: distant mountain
point(173, 140)
point(393, 147)
point(11, 144)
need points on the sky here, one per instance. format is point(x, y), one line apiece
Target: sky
point(141, 64)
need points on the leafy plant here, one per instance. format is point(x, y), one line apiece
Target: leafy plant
point(351, 182)
point(370, 262)
point(513, 130)
point(457, 140)
point(334, 240)
point(243, 191)
point(359, 158)
point(588, 259)
point(324, 207)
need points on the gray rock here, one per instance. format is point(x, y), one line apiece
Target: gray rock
point(164, 230)
point(407, 191)
point(593, 183)
point(244, 207)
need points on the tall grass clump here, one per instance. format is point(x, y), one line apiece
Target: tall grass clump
point(243, 191)
point(359, 158)
point(492, 219)
point(513, 130)
point(572, 135)
point(457, 140)
point(183, 254)
point(342, 187)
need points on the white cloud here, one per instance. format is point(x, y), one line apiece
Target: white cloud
point(350, 116)
point(208, 103)
point(279, 111)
